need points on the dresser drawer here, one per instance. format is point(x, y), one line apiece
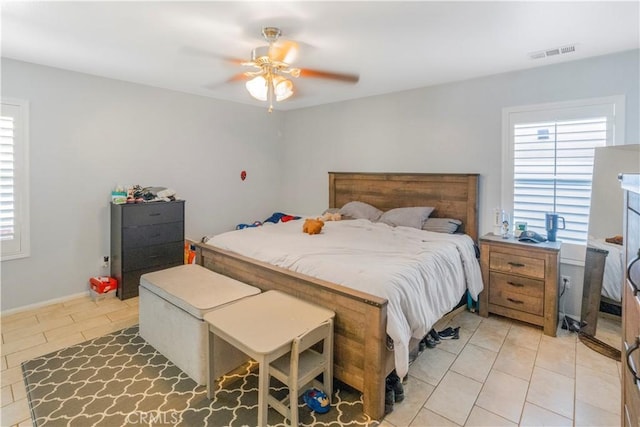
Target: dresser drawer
point(516, 264)
point(518, 293)
point(148, 235)
point(152, 213)
point(151, 256)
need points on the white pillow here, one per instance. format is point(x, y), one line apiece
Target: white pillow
point(360, 210)
point(407, 217)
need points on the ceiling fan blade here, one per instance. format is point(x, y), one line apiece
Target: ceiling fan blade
point(237, 78)
point(348, 78)
point(284, 51)
point(193, 51)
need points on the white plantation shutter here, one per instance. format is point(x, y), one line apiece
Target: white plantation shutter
point(14, 224)
point(548, 156)
point(553, 166)
point(7, 159)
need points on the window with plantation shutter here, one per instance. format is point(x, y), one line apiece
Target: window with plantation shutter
point(14, 211)
point(548, 157)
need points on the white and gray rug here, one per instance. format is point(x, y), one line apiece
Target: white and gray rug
point(120, 380)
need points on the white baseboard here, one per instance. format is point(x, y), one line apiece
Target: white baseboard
point(43, 303)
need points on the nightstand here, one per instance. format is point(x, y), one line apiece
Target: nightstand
point(520, 280)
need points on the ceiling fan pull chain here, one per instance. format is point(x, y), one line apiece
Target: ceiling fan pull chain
point(270, 91)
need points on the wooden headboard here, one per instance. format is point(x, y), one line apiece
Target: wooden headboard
point(452, 195)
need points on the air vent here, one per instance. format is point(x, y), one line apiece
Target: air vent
point(552, 52)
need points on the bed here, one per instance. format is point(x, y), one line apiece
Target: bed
point(362, 358)
point(612, 280)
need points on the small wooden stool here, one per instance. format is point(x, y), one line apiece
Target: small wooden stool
point(264, 327)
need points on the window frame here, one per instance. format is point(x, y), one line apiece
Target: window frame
point(570, 253)
point(21, 183)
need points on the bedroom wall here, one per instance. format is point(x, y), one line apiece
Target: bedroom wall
point(447, 128)
point(88, 134)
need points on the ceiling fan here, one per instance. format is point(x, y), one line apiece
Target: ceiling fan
point(272, 68)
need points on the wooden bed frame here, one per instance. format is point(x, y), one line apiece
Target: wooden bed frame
point(361, 357)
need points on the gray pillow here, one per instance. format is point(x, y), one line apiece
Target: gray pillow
point(361, 210)
point(442, 225)
point(407, 217)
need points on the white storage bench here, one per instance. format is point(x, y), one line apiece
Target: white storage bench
point(172, 305)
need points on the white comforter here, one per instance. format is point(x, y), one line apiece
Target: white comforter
point(422, 274)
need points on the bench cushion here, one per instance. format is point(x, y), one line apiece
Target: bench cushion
point(195, 289)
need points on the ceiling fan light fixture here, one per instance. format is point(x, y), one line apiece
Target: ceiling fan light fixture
point(258, 88)
point(260, 54)
point(271, 78)
point(282, 88)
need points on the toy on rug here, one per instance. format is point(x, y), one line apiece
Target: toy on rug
point(312, 226)
point(329, 216)
point(316, 400)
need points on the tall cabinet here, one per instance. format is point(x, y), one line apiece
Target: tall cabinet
point(145, 237)
point(631, 303)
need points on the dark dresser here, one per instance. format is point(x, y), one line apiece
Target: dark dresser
point(631, 303)
point(145, 237)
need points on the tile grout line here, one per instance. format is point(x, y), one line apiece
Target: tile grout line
point(485, 380)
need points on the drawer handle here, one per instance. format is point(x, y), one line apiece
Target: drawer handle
point(515, 301)
point(156, 235)
point(631, 266)
point(630, 350)
point(155, 214)
point(517, 285)
point(515, 264)
point(154, 256)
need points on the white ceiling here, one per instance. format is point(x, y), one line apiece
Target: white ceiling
point(393, 46)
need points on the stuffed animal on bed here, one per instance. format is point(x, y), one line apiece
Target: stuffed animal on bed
point(330, 216)
point(617, 240)
point(312, 226)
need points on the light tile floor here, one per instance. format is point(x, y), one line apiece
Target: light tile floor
point(499, 373)
point(39, 331)
point(502, 372)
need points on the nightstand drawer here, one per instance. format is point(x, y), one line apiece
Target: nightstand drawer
point(521, 280)
point(509, 263)
point(518, 293)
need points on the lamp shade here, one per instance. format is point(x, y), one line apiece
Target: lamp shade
point(257, 87)
point(282, 88)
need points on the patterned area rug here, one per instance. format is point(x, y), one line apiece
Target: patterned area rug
point(120, 380)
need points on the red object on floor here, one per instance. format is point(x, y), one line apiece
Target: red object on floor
point(103, 284)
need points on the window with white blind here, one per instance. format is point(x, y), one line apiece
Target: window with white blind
point(14, 174)
point(548, 155)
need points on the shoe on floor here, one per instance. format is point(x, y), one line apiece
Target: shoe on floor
point(434, 335)
point(450, 333)
point(389, 398)
point(398, 392)
point(394, 381)
point(429, 342)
